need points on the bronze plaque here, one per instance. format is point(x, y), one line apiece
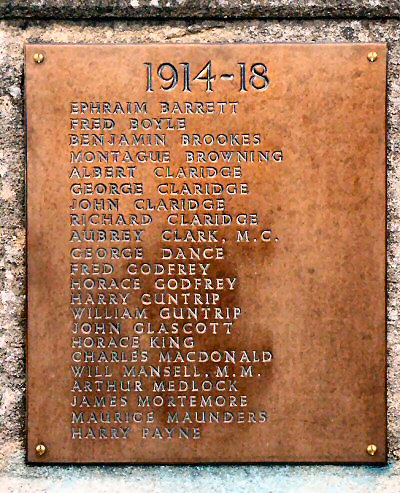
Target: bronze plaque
point(206, 253)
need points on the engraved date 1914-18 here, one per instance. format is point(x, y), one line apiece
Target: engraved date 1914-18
point(169, 76)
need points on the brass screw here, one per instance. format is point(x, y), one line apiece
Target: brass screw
point(38, 57)
point(372, 56)
point(40, 449)
point(372, 449)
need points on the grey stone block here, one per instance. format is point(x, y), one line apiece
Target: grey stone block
point(15, 476)
point(133, 9)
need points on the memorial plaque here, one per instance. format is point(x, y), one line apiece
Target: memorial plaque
point(206, 253)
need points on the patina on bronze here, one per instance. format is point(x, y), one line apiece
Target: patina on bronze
point(206, 253)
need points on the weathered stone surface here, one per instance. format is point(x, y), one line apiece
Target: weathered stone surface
point(275, 9)
point(15, 476)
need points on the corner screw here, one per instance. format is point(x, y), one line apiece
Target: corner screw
point(40, 449)
point(38, 57)
point(372, 56)
point(372, 449)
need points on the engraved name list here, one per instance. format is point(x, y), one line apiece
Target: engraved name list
point(145, 319)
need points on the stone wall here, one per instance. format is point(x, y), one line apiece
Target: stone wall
point(180, 21)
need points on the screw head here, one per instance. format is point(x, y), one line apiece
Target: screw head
point(38, 57)
point(372, 56)
point(372, 449)
point(40, 449)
